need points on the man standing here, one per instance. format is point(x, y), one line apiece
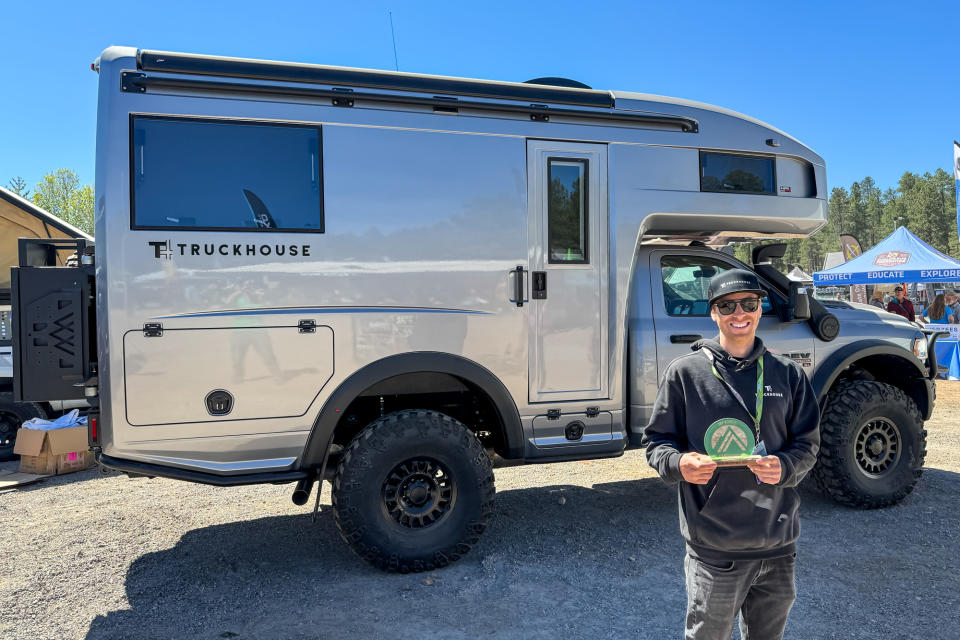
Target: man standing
point(901, 305)
point(740, 522)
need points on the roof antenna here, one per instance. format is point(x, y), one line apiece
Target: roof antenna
point(396, 65)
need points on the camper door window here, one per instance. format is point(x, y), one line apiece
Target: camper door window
point(567, 211)
point(215, 175)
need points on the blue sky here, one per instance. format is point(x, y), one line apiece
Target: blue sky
point(872, 87)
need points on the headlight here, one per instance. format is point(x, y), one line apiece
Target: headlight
point(920, 348)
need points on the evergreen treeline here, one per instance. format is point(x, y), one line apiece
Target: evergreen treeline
point(925, 204)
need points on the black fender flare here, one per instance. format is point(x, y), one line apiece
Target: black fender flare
point(833, 366)
point(321, 434)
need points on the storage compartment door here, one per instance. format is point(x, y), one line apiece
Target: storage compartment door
point(256, 372)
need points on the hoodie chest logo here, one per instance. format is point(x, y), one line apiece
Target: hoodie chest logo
point(768, 392)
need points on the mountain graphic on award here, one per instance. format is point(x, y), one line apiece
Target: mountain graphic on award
point(730, 443)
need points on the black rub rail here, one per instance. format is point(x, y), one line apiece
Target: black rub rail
point(160, 471)
point(140, 83)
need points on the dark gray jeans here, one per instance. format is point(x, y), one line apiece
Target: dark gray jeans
point(762, 591)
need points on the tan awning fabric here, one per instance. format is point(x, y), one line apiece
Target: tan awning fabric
point(15, 223)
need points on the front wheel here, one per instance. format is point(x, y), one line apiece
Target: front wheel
point(413, 491)
point(872, 445)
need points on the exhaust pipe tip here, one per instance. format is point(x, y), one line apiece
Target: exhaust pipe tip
point(302, 493)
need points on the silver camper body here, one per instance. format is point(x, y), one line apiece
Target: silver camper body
point(426, 216)
point(306, 272)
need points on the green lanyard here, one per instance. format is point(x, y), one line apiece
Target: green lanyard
point(759, 414)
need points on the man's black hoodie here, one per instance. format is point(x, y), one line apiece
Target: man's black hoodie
point(733, 517)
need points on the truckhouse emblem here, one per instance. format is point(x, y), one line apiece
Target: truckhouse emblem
point(161, 249)
point(166, 249)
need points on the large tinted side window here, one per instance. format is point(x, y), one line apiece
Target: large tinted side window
point(729, 173)
point(216, 175)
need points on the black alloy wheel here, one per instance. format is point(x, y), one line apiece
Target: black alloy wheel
point(877, 447)
point(418, 493)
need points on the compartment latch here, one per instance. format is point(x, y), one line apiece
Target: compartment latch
point(152, 330)
point(307, 326)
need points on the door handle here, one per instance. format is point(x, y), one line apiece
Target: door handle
point(517, 285)
point(684, 338)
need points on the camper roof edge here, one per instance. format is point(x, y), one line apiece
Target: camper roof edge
point(193, 64)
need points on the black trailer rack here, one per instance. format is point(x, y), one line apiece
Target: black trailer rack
point(53, 321)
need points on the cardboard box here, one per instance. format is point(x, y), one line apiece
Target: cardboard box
point(53, 452)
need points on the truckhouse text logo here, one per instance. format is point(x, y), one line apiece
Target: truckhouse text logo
point(166, 249)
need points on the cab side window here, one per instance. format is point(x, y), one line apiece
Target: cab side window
point(686, 280)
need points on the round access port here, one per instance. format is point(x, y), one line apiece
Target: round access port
point(219, 402)
point(574, 430)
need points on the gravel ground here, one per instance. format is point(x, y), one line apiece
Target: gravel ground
point(575, 550)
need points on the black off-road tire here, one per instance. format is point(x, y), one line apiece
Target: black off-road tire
point(873, 445)
point(12, 415)
point(413, 491)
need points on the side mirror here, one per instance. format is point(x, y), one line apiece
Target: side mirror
point(799, 301)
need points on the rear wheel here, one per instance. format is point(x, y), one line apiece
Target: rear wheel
point(872, 445)
point(12, 415)
point(413, 491)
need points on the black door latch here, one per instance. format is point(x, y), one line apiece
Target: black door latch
point(539, 285)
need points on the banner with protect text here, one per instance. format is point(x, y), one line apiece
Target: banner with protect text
point(851, 249)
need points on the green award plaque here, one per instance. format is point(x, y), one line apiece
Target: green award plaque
point(730, 443)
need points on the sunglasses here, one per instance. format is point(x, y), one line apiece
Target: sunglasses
point(727, 307)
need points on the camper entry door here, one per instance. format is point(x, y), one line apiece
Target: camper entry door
point(567, 200)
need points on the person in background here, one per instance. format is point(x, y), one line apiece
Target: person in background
point(901, 305)
point(953, 302)
point(877, 299)
point(939, 312)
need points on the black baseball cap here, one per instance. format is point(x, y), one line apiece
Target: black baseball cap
point(898, 288)
point(734, 281)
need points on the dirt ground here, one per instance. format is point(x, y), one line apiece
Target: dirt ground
point(575, 550)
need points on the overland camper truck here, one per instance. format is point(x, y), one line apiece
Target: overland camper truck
point(388, 280)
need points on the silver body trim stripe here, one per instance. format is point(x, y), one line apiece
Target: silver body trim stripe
point(246, 465)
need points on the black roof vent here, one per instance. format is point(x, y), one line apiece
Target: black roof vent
point(559, 82)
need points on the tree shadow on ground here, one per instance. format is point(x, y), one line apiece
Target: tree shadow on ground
point(556, 562)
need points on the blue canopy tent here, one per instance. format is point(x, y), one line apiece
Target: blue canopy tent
point(900, 257)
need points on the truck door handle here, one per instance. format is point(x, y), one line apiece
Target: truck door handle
point(684, 338)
